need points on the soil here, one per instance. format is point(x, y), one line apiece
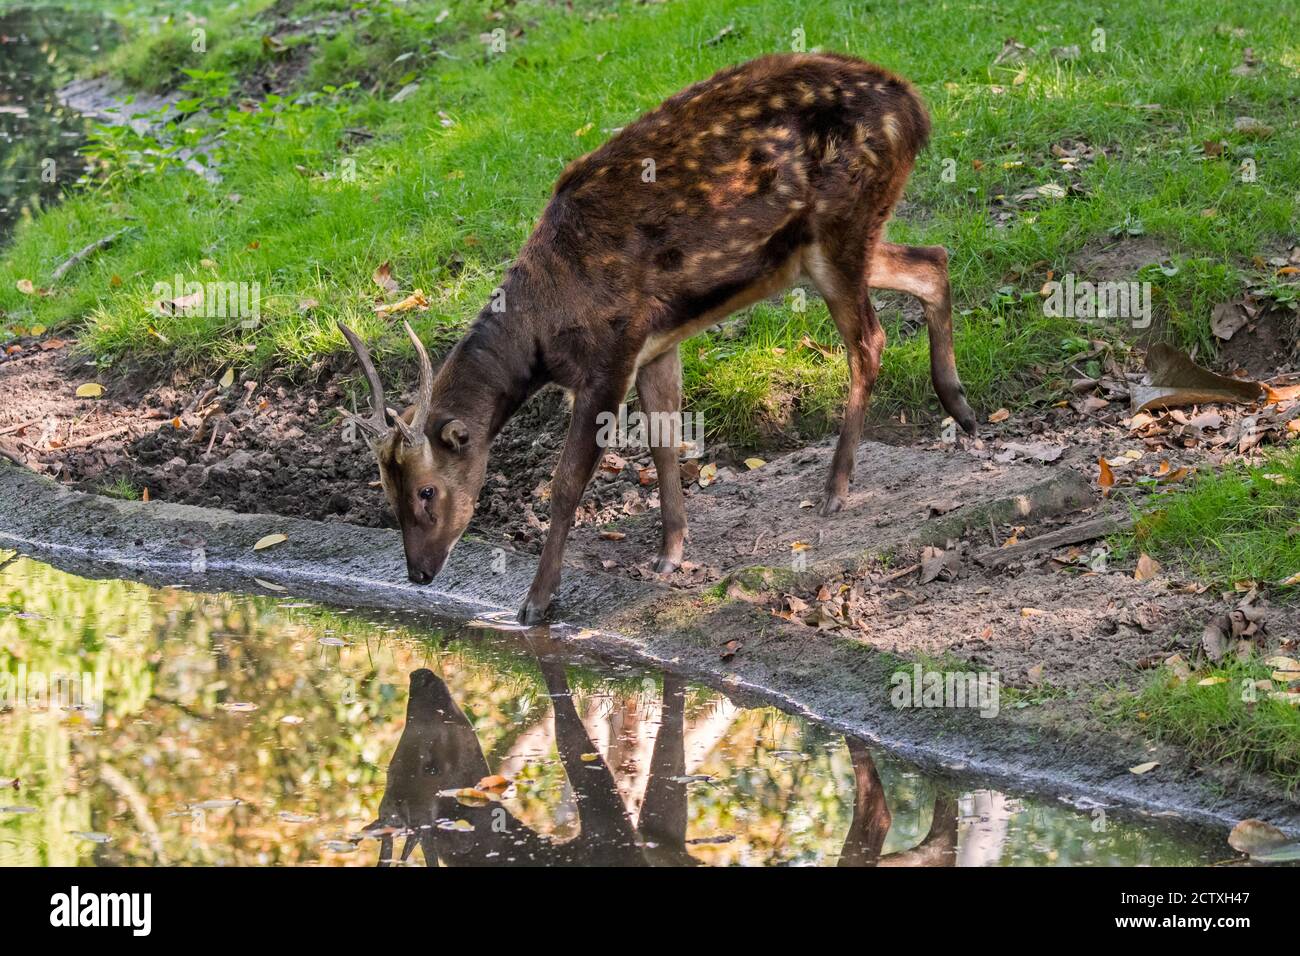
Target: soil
point(1058, 619)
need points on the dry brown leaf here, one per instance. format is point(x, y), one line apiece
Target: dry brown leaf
point(1147, 568)
point(383, 277)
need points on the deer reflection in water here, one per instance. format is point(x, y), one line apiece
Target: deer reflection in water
point(439, 753)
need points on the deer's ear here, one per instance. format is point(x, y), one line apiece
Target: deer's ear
point(454, 434)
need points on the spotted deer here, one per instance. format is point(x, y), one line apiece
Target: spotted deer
point(725, 194)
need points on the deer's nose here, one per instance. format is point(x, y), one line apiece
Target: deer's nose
point(419, 577)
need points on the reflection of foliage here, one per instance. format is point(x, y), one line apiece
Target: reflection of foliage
point(176, 741)
point(36, 128)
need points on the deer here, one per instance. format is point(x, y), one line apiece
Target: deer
point(727, 193)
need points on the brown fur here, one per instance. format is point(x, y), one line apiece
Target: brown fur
point(786, 164)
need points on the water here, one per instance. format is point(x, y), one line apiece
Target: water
point(39, 138)
point(226, 729)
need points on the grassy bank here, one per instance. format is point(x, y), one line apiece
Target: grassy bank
point(1239, 525)
point(328, 177)
point(1230, 720)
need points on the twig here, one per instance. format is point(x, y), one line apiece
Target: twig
point(899, 574)
point(84, 254)
point(8, 429)
point(12, 456)
point(106, 433)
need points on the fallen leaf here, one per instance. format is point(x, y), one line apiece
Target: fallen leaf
point(1147, 568)
point(1001, 415)
point(494, 784)
point(415, 301)
point(1263, 841)
point(90, 390)
point(270, 585)
point(935, 561)
point(613, 535)
point(1174, 379)
point(25, 287)
point(708, 475)
point(752, 463)
point(383, 277)
point(1228, 319)
point(270, 540)
point(1144, 767)
point(228, 379)
point(1106, 478)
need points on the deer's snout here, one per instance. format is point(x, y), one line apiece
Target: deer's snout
point(418, 575)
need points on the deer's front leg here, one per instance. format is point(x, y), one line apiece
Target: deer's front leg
point(574, 470)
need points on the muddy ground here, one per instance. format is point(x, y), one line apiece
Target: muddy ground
point(1063, 619)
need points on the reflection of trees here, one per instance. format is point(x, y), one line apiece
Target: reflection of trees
point(156, 770)
point(35, 127)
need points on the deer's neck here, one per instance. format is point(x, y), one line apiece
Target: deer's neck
point(493, 370)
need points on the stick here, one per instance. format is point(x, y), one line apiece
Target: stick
point(1074, 534)
point(19, 427)
point(84, 254)
point(899, 574)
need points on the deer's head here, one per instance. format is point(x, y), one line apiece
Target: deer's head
point(431, 466)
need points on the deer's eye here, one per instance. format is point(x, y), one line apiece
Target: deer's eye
point(426, 493)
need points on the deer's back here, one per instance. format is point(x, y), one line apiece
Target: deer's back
point(723, 183)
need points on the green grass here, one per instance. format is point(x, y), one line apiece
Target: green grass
point(453, 177)
point(1219, 723)
point(1242, 524)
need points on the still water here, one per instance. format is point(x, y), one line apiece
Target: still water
point(40, 49)
point(142, 726)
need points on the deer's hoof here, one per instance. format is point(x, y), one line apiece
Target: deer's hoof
point(831, 505)
point(666, 565)
point(532, 613)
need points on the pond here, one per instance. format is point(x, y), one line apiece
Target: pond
point(39, 138)
point(142, 726)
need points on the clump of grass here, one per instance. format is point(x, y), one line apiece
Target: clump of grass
point(1235, 525)
point(120, 488)
point(1229, 722)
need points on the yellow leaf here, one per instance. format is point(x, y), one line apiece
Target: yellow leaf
point(589, 758)
point(90, 390)
point(229, 378)
point(708, 475)
point(584, 130)
point(269, 541)
point(415, 300)
point(270, 585)
point(25, 287)
point(1144, 767)
point(752, 463)
point(1211, 681)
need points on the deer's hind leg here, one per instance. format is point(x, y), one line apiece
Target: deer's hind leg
point(840, 275)
point(659, 387)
